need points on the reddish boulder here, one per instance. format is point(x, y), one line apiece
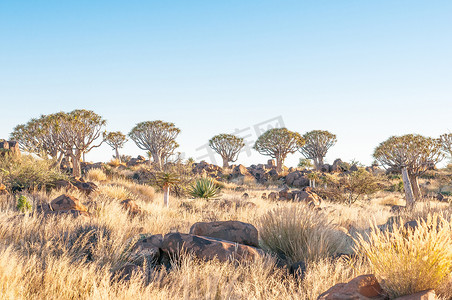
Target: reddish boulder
point(362, 287)
point(424, 295)
point(67, 202)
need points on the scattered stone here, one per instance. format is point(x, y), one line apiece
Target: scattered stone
point(361, 287)
point(441, 198)
point(64, 184)
point(240, 170)
point(233, 231)
point(264, 196)
point(239, 189)
point(245, 196)
point(86, 187)
point(411, 225)
point(397, 208)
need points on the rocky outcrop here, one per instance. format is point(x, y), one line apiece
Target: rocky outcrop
point(233, 231)
point(11, 147)
point(67, 202)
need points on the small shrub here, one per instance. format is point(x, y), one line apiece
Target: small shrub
point(96, 175)
point(407, 261)
point(299, 233)
point(359, 183)
point(204, 188)
point(23, 205)
point(115, 192)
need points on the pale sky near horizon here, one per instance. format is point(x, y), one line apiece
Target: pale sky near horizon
point(364, 70)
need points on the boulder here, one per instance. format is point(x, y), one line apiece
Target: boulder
point(240, 170)
point(245, 196)
point(264, 196)
point(272, 196)
point(86, 187)
point(362, 287)
point(158, 249)
point(353, 168)
point(131, 207)
point(424, 295)
point(298, 269)
point(208, 248)
point(326, 168)
point(233, 231)
point(284, 194)
point(126, 272)
point(10, 147)
point(64, 184)
point(72, 212)
point(271, 163)
point(67, 202)
point(337, 166)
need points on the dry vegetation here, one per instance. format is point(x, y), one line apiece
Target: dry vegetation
point(65, 258)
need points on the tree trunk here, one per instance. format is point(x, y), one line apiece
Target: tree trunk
point(415, 186)
point(408, 189)
point(157, 160)
point(320, 162)
point(76, 168)
point(279, 164)
point(117, 154)
point(166, 195)
point(225, 162)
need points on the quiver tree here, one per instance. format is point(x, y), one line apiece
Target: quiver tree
point(115, 140)
point(157, 137)
point(317, 144)
point(446, 143)
point(79, 129)
point(61, 134)
point(411, 155)
point(278, 143)
point(41, 137)
point(228, 146)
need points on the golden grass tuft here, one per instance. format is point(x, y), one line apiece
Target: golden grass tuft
point(300, 233)
point(407, 260)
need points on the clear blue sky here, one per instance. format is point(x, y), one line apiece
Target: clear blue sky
point(364, 70)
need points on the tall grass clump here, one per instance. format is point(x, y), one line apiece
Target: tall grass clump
point(96, 175)
point(205, 188)
point(407, 260)
point(299, 233)
point(28, 173)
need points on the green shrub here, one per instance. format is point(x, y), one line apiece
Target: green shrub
point(299, 233)
point(23, 205)
point(28, 173)
point(204, 188)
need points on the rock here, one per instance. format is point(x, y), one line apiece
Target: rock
point(245, 196)
point(325, 168)
point(397, 208)
point(43, 207)
point(284, 194)
point(11, 147)
point(337, 166)
point(86, 187)
point(147, 249)
point(240, 170)
point(271, 163)
point(233, 231)
point(208, 248)
point(64, 184)
point(67, 202)
point(126, 272)
point(131, 207)
point(362, 287)
point(411, 225)
point(264, 196)
point(239, 189)
point(248, 205)
point(298, 269)
point(424, 295)
point(272, 196)
point(301, 182)
point(441, 198)
point(353, 168)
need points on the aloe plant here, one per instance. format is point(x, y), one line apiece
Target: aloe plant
point(204, 188)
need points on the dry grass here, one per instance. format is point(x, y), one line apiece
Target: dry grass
point(300, 233)
point(407, 261)
point(97, 175)
point(65, 258)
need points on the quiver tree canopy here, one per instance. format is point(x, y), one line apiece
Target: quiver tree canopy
point(228, 146)
point(318, 142)
point(278, 143)
point(157, 137)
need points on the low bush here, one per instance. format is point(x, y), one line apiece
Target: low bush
point(96, 175)
point(28, 173)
